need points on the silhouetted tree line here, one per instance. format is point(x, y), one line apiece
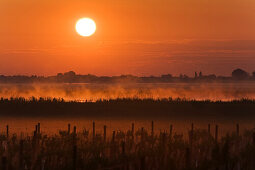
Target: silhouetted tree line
point(72, 77)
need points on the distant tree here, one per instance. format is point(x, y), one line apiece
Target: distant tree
point(70, 73)
point(200, 74)
point(240, 74)
point(181, 76)
point(69, 76)
point(59, 77)
point(60, 74)
point(166, 76)
point(185, 76)
point(195, 74)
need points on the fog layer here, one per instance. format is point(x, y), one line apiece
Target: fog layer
point(93, 92)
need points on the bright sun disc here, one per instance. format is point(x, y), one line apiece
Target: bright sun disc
point(85, 27)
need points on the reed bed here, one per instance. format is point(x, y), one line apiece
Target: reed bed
point(128, 108)
point(140, 149)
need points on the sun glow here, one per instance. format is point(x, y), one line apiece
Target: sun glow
point(85, 27)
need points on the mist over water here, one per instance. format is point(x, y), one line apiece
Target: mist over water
point(93, 92)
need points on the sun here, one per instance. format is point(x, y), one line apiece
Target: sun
point(85, 27)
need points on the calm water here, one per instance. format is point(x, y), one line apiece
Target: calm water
point(52, 126)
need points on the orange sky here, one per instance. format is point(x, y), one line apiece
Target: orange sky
point(140, 37)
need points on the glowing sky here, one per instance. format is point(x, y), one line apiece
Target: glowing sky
point(140, 37)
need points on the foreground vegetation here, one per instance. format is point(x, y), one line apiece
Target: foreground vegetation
point(140, 149)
